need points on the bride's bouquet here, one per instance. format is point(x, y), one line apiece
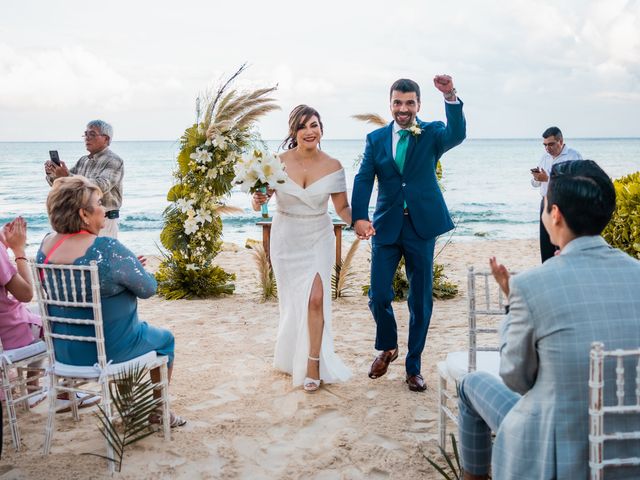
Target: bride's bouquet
point(258, 171)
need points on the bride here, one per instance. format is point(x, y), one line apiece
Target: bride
point(302, 253)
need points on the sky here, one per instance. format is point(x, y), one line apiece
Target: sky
point(519, 66)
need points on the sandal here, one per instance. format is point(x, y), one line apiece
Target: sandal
point(174, 420)
point(312, 385)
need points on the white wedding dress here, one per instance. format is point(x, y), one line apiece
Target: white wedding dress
point(303, 245)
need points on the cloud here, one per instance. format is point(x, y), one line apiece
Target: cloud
point(69, 78)
point(59, 78)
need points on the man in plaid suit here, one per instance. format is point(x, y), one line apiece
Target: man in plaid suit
point(589, 292)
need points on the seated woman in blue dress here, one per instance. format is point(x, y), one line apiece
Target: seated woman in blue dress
point(77, 215)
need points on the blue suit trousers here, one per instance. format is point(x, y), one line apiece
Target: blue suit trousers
point(418, 255)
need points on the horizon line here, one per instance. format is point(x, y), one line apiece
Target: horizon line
point(326, 139)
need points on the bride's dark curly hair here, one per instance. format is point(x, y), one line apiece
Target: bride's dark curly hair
point(297, 119)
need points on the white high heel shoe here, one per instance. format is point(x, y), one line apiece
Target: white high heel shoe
point(311, 385)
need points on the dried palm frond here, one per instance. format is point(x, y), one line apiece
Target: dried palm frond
point(212, 105)
point(265, 274)
point(342, 272)
point(222, 209)
point(252, 115)
point(371, 118)
point(237, 105)
point(225, 100)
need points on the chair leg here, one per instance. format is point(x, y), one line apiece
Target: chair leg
point(50, 428)
point(106, 406)
point(11, 409)
point(442, 417)
point(166, 415)
point(73, 398)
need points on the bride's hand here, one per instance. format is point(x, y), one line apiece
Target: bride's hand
point(261, 198)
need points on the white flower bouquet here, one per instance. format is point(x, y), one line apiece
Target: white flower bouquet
point(258, 171)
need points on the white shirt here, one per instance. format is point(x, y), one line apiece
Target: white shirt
point(547, 162)
point(395, 136)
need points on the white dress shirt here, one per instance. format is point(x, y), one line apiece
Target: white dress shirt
point(547, 162)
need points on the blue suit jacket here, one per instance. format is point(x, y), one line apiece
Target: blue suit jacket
point(417, 185)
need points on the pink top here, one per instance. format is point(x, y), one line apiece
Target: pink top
point(15, 317)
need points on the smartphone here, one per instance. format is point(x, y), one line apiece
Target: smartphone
point(55, 158)
point(535, 170)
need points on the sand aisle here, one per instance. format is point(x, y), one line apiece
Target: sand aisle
point(245, 419)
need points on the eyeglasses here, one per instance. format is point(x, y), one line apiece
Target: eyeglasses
point(91, 134)
point(550, 144)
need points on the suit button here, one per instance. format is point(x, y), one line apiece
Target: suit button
point(404, 184)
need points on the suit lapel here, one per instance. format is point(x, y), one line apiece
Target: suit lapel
point(388, 143)
point(413, 140)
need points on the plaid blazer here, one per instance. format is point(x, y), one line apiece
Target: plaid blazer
point(591, 292)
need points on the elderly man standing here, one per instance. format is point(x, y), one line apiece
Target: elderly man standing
point(556, 152)
point(102, 167)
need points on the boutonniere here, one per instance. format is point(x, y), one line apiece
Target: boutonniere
point(415, 130)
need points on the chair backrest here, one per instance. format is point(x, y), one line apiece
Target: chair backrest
point(486, 309)
point(598, 409)
point(73, 287)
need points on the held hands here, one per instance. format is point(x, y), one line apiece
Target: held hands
point(364, 229)
point(143, 260)
point(54, 170)
point(501, 274)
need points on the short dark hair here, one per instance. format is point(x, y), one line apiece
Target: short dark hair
point(552, 132)
point(405, 85)
point(584, 194)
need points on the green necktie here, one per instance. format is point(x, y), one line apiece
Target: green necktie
point(401, 149)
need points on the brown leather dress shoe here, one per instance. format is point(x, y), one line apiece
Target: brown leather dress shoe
point(416, 383)
point(381, 363)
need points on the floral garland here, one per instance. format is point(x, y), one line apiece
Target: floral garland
point(192, 223)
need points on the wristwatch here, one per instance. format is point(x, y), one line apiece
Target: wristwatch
point(451, 94)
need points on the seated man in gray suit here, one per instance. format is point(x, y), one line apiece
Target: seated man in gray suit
point(589, 292)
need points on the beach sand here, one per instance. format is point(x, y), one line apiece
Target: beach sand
point(246, 420)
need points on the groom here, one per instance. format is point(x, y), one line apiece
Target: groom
point(410, 213)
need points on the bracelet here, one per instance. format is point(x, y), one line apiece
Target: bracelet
point(21, 258)
point(450, 95)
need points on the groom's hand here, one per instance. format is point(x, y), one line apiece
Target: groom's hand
point(444, 83)
point(364, 229)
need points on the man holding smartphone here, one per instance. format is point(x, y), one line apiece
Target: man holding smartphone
point(556, 152)
point(101, 166)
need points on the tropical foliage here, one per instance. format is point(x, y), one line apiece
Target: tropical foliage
point(133, 401)
point(203, 178)
point(452, 470)
point(623, 231)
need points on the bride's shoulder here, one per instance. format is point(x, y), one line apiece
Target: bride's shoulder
point(332, 165)
point(285, 156)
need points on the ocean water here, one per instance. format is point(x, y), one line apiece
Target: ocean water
point(486, 185)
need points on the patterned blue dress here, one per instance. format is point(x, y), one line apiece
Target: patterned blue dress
point(122, 281)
